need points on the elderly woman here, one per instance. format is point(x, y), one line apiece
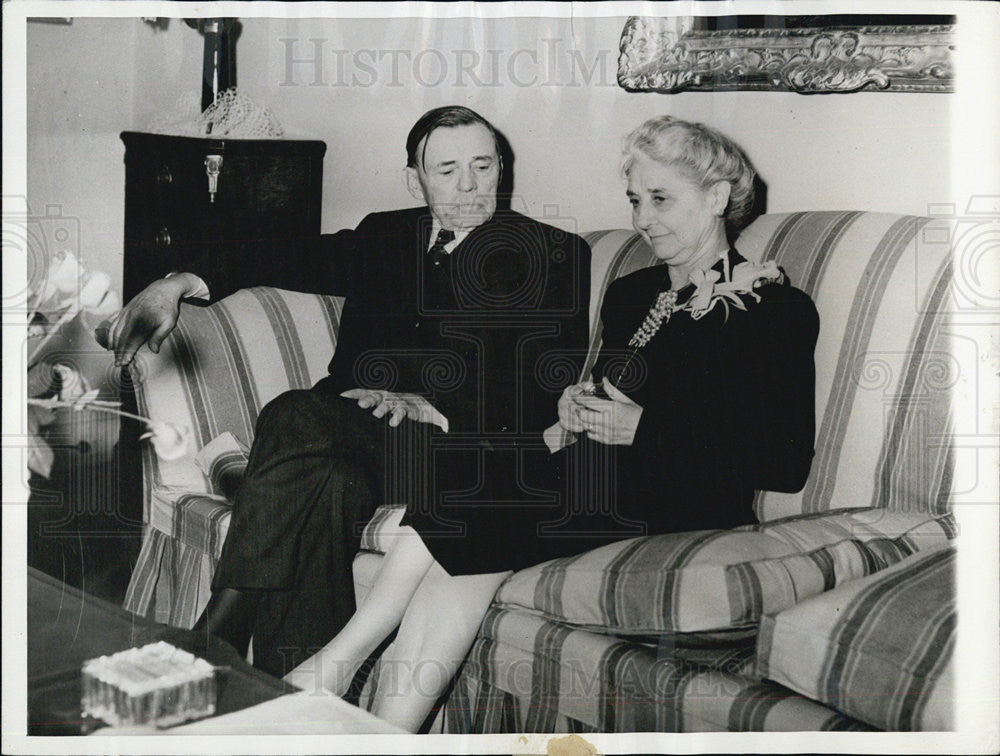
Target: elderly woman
point(706, 375)
point(705, 394)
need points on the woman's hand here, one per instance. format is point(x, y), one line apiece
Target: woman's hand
point(398, 406)
point(608, 421)
point(569, 409)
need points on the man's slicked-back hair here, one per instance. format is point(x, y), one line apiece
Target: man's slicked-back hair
point(448, 116)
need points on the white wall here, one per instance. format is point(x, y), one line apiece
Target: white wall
point(90, 80)
point(86, 83)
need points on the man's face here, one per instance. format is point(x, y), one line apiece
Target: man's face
point(457, 175)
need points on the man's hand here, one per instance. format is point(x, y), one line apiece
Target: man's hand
point(609, 421)
point(148, 318)
point(398, 406)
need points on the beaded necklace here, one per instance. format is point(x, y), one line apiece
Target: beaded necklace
point(659, 313)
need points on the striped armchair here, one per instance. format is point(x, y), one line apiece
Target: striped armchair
point(661, 633)
point(221, 365)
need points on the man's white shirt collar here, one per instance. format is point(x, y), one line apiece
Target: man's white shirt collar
point(459, 236)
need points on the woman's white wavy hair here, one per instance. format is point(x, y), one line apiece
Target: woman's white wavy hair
point(703, 154)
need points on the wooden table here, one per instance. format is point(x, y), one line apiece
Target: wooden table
point(66, 627)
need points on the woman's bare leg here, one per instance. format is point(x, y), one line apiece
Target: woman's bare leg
point(437, 630)
point(404, 566)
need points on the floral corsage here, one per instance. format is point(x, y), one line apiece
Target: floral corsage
point(709, 291)
point(743, 279)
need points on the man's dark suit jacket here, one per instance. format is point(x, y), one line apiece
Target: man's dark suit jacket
point(490, 339)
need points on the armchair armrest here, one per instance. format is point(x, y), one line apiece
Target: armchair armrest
point(222, 364)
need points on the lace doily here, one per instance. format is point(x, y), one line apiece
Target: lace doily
point(233, 115)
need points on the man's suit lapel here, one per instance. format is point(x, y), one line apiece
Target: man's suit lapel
point(422, 233)
point(399, 264)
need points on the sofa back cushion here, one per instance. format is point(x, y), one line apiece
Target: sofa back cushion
point(884, 365)
point(222, 364)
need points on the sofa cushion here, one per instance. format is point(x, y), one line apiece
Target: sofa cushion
point(373, 536)
point(679, 582)
point(713, 580)
point(884, 360)
point(224, 460)
point(879, 649)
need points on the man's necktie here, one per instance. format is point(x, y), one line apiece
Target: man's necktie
point(437, 252)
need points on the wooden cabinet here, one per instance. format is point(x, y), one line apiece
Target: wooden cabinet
point(265, 210)
point(266, 203)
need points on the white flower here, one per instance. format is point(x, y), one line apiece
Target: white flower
point(63, 277)
point(743, 279)
point(704, 282)
point(169, 441)
point(95, 290)
point(72, 386)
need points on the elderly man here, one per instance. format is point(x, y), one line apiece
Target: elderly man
point(455, 313)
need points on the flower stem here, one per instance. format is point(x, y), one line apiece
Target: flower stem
point(89, 406)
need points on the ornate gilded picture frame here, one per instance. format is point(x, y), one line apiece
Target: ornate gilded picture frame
point(787, 53)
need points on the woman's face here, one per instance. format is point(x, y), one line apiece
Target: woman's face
point(679, 219)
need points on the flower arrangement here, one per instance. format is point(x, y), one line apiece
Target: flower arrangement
point(64, 370)
point(69, 292)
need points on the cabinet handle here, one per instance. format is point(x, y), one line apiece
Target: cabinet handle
point(162, 238)
point(213, 167)
point(164, 176)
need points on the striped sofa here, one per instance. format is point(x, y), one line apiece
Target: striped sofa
point(679, 632)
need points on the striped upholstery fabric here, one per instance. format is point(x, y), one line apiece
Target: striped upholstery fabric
point(720, 701)
point(224, 460)
point(884, 366)
point(914, 531)
point(527, 675)
point(221, 365)
point(171, 582)
point(883, 288)
point(713, 580)
point(373, 536)
point(880, 649)
point(604, 683)
point(196, 520)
